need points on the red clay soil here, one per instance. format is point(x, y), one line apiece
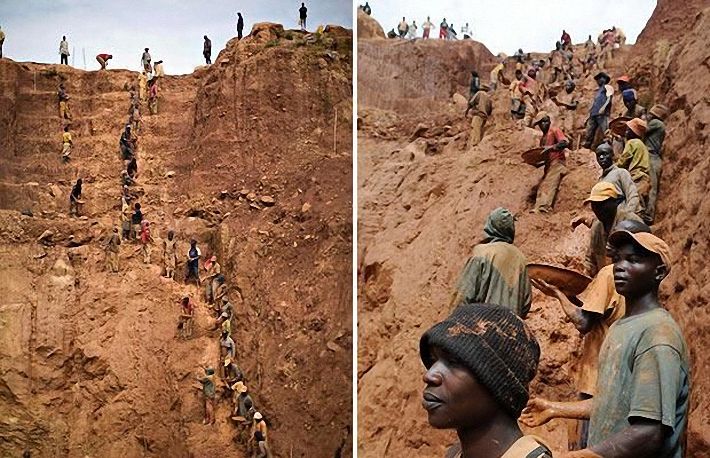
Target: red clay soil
point(423, 199)
point(252, 157)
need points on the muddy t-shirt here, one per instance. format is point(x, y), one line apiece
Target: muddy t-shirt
point(643, 373)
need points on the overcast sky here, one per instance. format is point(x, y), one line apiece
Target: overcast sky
point(172, 29)
point(534, 25)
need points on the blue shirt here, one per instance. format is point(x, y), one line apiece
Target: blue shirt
point(599, 99)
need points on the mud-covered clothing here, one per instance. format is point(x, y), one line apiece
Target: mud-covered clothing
point(233, 373)
point(600, 298)
point(595, 257)
point(481, 105)
point(242, 400)
point(551, 138)
point(228, 344)
point(496, 273)
point(189, 308)
point(643, 373)
point(145, 61)
point(636, 159)
point(208, 388)
point(621, 178)
point(655, 134)
point(525, 447)
point(169, 253)
point(113, 242)
point(227, 308)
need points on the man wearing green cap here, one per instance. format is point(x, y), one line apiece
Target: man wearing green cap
point(496, 272)
point(643, 388)
point(554, 142)
point(480, 361)
point(208, 391)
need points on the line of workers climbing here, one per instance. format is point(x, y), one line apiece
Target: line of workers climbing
point(135, 227)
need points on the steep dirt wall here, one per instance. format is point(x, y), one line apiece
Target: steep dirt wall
point(90, 363)
point(423, 199)
point(672, 63)
point(413, 77)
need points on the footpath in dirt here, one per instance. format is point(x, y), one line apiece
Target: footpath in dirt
point(423, 199)
point(250, 156)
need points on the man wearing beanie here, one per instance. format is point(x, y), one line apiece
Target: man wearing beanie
point(480, 361)
point(496, 272)
point(641, 403)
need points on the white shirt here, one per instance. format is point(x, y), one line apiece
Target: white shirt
point(64, 47)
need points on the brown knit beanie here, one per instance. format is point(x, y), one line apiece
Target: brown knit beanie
point(494, 344)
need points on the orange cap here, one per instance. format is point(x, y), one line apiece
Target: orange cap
point(646, 240)
point(602, 191)
point(624, 78)
point(638, 126)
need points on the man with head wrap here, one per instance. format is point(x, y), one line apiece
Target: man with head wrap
point(496, 272)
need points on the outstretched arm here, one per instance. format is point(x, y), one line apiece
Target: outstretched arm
point(539, 411)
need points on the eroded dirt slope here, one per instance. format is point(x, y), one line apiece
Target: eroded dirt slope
point(423, 199)
point(89, 362)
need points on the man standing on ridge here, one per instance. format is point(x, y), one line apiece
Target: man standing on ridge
point(145, 62)
point(207, 50)
point(240, 26)
point(443, 30)
point(426, 27)
point(2, 40)
point(64, 51)
point(302, 15)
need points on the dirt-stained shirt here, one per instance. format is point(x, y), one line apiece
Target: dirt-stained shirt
point(635, 159)
point(655, 134)
point(553, 136)
point(600, 298)
point(481, 104)
point(643, 373)
point(621, 178)
point(496, 273)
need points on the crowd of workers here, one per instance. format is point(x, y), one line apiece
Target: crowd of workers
point(135, 228)
point(633, 374)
